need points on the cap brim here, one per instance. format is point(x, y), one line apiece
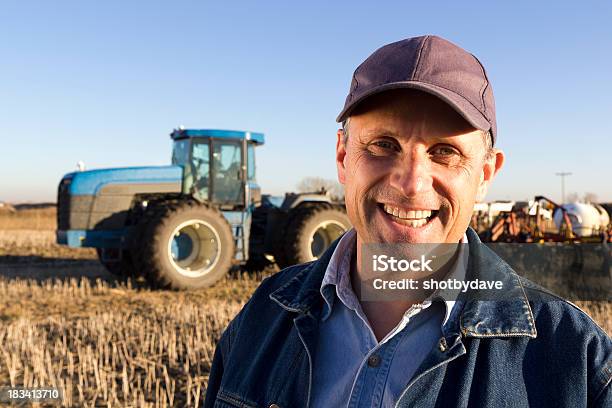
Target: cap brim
point(456, 101)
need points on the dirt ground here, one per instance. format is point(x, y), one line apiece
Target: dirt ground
point(66, 322)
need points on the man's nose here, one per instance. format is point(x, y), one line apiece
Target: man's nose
point(412, 175)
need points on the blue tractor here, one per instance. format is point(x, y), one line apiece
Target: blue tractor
point(185, 225)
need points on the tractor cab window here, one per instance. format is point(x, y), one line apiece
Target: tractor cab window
point(180, 153)
point(227, 174)
point(251, 162)
point(200, 165)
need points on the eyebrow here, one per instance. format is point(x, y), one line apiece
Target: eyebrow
point(382, 131)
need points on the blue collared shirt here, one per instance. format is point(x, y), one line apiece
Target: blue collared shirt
point(351, 367)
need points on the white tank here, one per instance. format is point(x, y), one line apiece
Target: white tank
point(586, 219)
point(604, 217)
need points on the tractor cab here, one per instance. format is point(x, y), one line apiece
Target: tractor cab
point(219, 166)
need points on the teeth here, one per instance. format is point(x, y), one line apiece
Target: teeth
point(413, 218)
point(417, 223)
point(413, 223)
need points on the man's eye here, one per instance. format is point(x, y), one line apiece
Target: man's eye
point(444, 151)
point(384, 144)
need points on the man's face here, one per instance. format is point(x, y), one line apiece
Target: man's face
point(412, 169)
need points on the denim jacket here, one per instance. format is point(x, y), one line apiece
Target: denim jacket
point(540, 353)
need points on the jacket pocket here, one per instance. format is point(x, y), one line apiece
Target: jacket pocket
point(230, 400)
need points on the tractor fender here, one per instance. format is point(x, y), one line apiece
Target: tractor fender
point(101, 199)
point(294, 200)
point(274, 222)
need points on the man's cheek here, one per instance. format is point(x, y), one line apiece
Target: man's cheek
point(462, 201)
point(354, 214)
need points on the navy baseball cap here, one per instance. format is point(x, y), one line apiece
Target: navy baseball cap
point(430, 64)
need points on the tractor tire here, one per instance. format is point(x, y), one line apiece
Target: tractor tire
point(186, 245)
point(311, 230)
point(257, 263)
point(123, 268)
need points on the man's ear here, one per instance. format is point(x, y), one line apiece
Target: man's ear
point(340, 156)
point(490, 169)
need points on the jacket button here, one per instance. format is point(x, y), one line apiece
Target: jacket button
point(442, 345)
point(374, 360)
point(274, 406)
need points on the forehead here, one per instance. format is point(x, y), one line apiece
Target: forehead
point(409, 110)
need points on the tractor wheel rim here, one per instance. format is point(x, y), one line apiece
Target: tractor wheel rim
point(194, 248)
point(324, 234)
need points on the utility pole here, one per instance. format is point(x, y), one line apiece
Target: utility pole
point(563, 174)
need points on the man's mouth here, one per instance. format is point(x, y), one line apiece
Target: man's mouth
point(410, 217)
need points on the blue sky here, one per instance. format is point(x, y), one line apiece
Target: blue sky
point(106, 82)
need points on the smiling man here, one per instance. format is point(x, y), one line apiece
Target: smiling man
point(415, 152)
point(413, 168)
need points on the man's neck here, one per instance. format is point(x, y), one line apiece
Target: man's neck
point(384, 315)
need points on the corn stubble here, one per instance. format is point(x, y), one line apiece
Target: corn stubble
point(141, 349)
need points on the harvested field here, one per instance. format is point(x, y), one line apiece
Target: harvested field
point(65, 322)
point(103, 343)
point(28, 218)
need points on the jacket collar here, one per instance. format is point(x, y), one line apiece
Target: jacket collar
point(507, 317)
point(479, 318)
point(302, 292)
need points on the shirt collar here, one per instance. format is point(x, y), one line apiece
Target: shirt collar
point(337, 280)
point(337, 276)
point(301, 293)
